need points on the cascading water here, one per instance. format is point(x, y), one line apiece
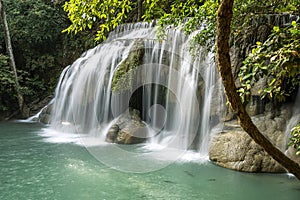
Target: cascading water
point(293, 121)
point(177, 90)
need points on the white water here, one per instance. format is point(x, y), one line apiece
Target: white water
point(177, 90)
point(275, 19)
point(293, 121)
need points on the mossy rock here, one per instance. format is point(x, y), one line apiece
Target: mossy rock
point(122, 78)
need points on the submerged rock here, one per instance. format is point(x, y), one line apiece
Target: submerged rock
point(127, 129)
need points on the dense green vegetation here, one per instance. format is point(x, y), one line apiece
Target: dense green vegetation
point(7, 83)
point(188, 15)
point(107, 14)
point(41, 50)
point(277, 60)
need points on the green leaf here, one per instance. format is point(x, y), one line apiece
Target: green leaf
point(272, 82)
point(258, 43)
point(246, 76)
point(276, 28)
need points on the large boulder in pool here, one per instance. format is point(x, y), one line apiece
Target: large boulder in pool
point(127, 129)
point(234, 149)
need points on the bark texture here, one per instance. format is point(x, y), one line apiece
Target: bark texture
point(224, 17)
point(140, 10)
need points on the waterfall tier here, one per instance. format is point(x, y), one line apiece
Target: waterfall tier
point(178, 97)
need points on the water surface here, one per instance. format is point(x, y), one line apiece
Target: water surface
point(33, 168)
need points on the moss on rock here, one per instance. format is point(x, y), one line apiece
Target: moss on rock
point(122, 78)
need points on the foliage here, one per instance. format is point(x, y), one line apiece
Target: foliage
point(190, 16)
point(295, 138)
point(84, 15)
point(277, 60)
point(7, 88)
point(35, 30)
point(246, 12)
point(42, 17)
point(7, 82)
point(107, 15)
point(40, 49)
point(155, 9)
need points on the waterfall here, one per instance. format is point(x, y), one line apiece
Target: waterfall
point(293, 121)
point(205, 125)
point(176, 90)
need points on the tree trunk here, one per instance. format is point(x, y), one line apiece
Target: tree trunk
point(9, 48)
point(224, 65)
point(140, 10)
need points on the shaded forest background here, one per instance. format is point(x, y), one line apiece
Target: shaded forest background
point(40, 48)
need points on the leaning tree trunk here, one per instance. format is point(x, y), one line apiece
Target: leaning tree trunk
point(224, 65)
point(11, 57)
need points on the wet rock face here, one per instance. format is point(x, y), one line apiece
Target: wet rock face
point(234, 149)
point(291, 152)
point(127, 129)
point(112, 133)
point(39, 104)
point(45, 116)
